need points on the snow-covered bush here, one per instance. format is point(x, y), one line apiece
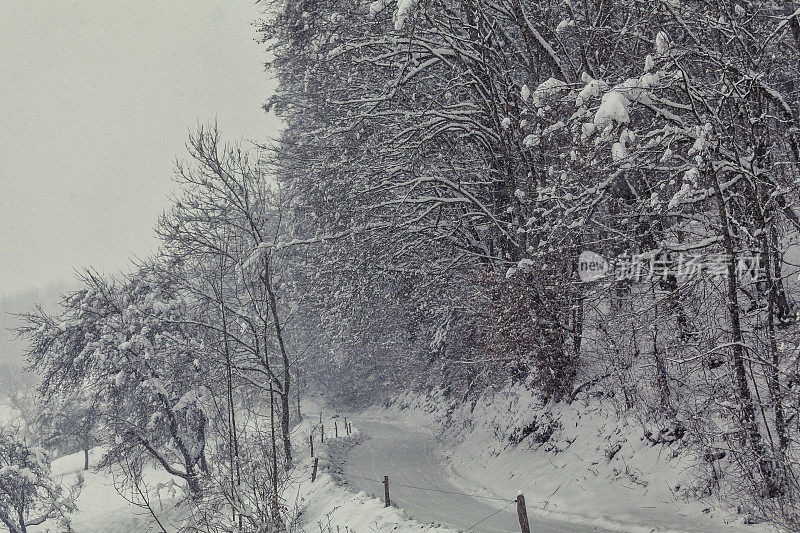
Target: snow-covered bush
point(29, 495)
point(127, 347)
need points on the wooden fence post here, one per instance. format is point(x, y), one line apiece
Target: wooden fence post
point(320, 417)
point(386, 499)
point(335, 429)
point(311, 442)
point(522, 514)
point(346, 431)
point(322, 433)
point(314, 472)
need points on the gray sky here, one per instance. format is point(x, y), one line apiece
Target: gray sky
point(96, 100)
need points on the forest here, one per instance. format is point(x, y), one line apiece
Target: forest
point(593, 199)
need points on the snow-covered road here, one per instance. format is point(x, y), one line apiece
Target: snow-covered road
point(410, 456)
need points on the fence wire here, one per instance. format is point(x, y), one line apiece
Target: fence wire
point(395, 484)
point(472, 527)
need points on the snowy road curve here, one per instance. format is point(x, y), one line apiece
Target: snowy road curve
point(410, 456)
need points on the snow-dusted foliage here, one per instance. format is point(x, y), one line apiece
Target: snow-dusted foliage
point(29, 494)
point(419, 222)
point(130, 346)
point(183, 365)
point(451, 160)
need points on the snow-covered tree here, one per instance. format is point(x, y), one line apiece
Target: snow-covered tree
point(472, 150)
point(130, 344)
point(29, 494)
point(70, 424)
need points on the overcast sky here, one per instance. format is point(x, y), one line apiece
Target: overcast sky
point(96, 99)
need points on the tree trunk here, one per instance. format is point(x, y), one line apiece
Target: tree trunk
point(773, 374)
point(276, 510)
point(749, 422)
point(286, 386)
point(195, 488)
point(662, 377)
point(233, 437)
point(286, 429)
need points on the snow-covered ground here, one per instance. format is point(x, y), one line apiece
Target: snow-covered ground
point(452, 482)
point(329, 506)
point(422, 483)
point(102, 509)
point(323, 505)
point(596, 472)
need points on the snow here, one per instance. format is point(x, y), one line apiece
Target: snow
point(699, 144)
point(327, 502)
point(377, 6)
point(613, 108)
point(678, 196)
point(404, 8)
point(506, 123)
point(596, 470)
point(662, 43)
point(525, 92)
point(618, 152)
point(596, 473)
point(564, 24)
point(324, 502)
point(102, 508)
point(654, 199)
point(593, 89)
point(531, 141)
point(409, 455)
point(547, 89)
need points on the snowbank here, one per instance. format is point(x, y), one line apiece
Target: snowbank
point(576, 463)
point(326, 504)
point(321, 506)
point(102, 508)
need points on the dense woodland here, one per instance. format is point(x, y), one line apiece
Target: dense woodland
point(418, 224)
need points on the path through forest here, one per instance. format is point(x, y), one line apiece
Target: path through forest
point(411, 456)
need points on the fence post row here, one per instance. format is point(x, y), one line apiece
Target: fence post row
point(522, 511)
